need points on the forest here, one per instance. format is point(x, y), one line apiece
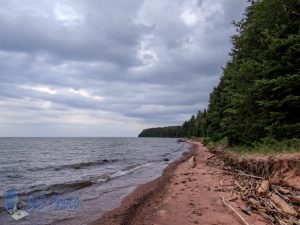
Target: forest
point(258, 96)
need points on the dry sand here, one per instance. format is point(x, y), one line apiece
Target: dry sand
point(182, 196)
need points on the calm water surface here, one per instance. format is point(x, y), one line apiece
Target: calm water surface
point(91, 175)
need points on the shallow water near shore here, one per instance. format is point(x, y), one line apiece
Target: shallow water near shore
point(75, 180)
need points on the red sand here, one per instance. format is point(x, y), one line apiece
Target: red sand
point(182, 196)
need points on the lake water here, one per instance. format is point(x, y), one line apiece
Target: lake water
point(75, 180)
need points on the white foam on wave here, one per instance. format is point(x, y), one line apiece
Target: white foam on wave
point(124, 172)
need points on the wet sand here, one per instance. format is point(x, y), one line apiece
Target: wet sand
point(182, 196)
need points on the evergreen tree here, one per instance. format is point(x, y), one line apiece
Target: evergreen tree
point(259, 92)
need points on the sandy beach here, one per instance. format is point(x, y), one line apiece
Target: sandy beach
point(183, 196)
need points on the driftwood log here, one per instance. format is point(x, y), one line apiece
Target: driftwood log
point(192, 162)
point(264, 188)
point(281, 204)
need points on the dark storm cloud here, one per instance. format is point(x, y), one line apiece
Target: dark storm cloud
point(149, 61)
point(91, 39)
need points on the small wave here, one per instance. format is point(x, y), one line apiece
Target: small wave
point(86, 164)
point(119, 173)
point(57, 188)
point(72, 186)
point(81, 165)
point(13, 176)
point(130, 170)
point(102, 178)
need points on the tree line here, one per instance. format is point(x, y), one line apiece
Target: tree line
point(258, 95)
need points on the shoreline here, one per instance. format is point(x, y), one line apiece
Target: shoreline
point(123, 214)
point(181, 195)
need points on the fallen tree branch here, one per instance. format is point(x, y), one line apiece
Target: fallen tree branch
point(248, 175)
point(239, 215)
point(281, 195)
point(241, 173)
point(211, 157)
point(240, 187)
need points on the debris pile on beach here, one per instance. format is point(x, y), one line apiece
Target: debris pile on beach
point(277, 201)
point(279, 204)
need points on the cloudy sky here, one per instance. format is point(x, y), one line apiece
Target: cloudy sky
point(109, 68)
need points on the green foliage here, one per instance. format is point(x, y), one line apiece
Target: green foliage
point(173, 131)
point(259, 93)
point(269, 146)
point(258, 97)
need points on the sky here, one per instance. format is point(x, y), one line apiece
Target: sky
point(109, 68)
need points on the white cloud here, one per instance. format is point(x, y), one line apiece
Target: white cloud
point(68, 122)
point(189, 17)
point(85, 93)
point(146, 53)
point(43, 89)
point(67, 14)
point(109, 67)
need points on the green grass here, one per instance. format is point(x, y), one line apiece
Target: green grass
point(267, 146)
point(205, 140)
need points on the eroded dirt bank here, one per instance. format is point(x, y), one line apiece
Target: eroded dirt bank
point(279, 169)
